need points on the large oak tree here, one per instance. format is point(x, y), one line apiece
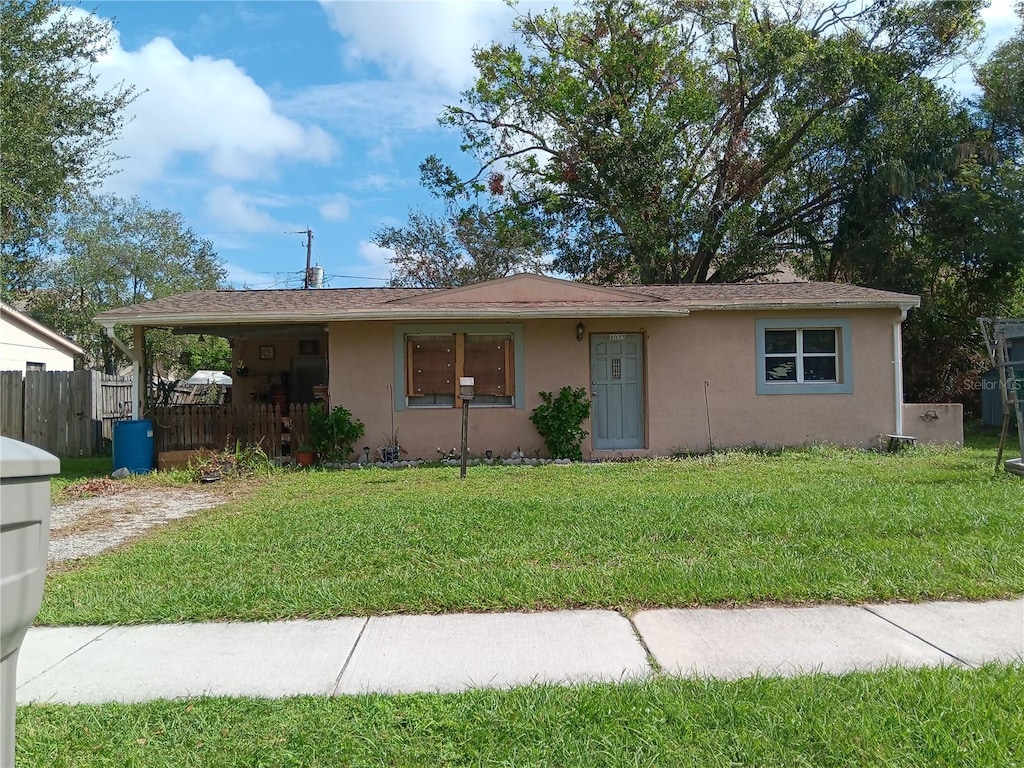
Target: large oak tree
point(57, 123)
point(689, 140)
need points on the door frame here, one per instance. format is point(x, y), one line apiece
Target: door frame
point(641, 393)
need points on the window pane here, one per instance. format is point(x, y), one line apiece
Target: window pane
point(488, 359)
point(780, 368)
point(820, 368)
point(430, 365)
point(820, 341)
point(426, 401)
point(481, 400)
point(780, 342)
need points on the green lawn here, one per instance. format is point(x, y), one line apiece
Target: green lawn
point(931, 717)
point(813, 525)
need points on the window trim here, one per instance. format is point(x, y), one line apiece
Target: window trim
point(844, 356)
point(519, 359)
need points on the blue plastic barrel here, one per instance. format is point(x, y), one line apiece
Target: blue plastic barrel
point(133, 445)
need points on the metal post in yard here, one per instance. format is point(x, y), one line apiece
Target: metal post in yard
point(466, 385)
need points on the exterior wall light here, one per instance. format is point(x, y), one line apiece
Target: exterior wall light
point(580, 331)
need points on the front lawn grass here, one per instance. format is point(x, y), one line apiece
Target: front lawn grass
point(819, 524)
point(927, 717)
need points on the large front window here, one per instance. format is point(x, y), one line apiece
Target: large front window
point(801, 355)
point(435, 362)
point(804, 356)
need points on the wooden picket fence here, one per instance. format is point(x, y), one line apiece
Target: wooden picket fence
point(72, 413)
point(220, 427)
point(67, 413)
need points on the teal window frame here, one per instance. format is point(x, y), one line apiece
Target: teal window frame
point(516, 330)
point(844, 356)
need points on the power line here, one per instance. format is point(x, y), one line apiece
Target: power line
point(356, 277)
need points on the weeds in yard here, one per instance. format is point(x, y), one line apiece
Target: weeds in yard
point(234, 461)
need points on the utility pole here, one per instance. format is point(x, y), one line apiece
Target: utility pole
point(309, 258)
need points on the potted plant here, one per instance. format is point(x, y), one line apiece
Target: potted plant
point(304, 455)
point(333, 432)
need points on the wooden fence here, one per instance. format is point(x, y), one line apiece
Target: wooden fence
point(72, 413)
point(68, 413)
point(218, 427)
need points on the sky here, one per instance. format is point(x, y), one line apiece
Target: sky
point(260, 119)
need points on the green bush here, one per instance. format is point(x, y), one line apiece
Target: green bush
point(332, 434)
point(559, 420)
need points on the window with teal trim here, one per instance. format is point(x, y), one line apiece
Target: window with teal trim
point(804, 356)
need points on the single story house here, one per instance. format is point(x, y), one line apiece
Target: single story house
point(28, 345)
point(669, 368)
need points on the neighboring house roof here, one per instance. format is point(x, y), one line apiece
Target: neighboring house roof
point(36, 328)
point(518, 296)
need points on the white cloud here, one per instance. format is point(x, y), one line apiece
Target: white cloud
point(1000, 21)
point(376, 260)
point(370, 108)
point(424, 41)
point(380, 182)
point(240, 277)
point(338, 208)
point(381, 152)
point(235, 210)
point(203, 106)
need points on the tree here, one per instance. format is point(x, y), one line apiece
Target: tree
point(1001, 79)
point(688, 140)
point(57, 123)
point(963, 253)
point(936, 210)
point(116, 252)
point(461, 247)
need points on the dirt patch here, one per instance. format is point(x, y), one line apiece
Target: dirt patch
point(86, 527)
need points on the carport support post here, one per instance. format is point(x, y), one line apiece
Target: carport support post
point(139, 377)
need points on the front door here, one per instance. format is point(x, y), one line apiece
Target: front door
point(617, 414)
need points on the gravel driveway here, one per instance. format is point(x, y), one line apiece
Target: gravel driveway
point(86, 527)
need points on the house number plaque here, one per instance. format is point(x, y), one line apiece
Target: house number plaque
point(616, 337)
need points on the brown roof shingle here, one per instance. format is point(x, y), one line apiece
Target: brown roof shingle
point(247, 306)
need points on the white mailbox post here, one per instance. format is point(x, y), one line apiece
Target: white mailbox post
point(24, 537)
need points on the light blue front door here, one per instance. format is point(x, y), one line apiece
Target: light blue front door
point(617, 415)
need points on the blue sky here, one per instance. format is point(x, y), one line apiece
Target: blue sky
point(259, 119)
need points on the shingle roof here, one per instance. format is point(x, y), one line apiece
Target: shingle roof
point(796, 292)
point(326, 304)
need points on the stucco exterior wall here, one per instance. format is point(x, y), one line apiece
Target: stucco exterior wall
point(934, 423)
point(19, 346)
point(681, 354)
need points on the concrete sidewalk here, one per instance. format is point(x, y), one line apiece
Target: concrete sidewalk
point(393, 654)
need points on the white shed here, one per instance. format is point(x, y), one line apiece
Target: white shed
point(27, 345)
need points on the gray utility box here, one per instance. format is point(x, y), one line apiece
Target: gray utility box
point(25, 473)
